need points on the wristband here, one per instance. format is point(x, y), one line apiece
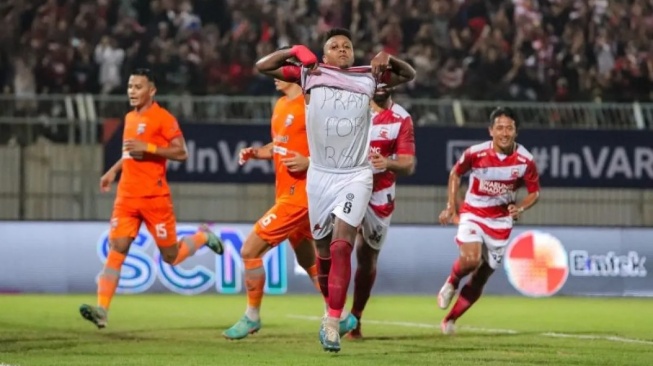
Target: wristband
point(151, 148)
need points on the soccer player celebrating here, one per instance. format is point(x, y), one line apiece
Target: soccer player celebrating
point(288, 218)
point(392, 152)
point(498, 168)
point(339, 178)
point(151, 136)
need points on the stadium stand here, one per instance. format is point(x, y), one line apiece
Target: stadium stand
point(519, 50)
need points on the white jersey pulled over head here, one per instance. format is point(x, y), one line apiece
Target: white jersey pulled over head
point(339, 178)
point(338, 117)
point(493, 182)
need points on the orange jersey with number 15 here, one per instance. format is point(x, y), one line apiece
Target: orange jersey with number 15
point(288, 136)
point(146, 176)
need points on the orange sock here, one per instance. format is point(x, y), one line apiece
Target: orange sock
point(255, 284)
point(188, 245)
point(109, 277)
point(312, 274)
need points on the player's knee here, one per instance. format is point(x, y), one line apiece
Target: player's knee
point(120, 245)
point(470, 261)
point(344, 231)
point(367, 265)
point(366, 257)
point(482, 274)
point(322, 247)
point(169, 257)
point(254, 247)
point(306, 262)
point(248, 253)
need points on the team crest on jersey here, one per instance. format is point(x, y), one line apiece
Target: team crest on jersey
point(140, 129)
point(514, 173)
point(289, 119)
point(383, 133)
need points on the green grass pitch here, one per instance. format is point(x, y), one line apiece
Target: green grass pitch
point(400, 330)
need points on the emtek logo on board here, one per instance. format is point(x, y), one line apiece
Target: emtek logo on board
point(607, 265)
point(144, 266)
point(537, 264)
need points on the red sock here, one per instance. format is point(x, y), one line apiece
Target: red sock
point(456, 274)
point(323, 267)
point(468, 296)
point(363, 283)
point(339, 276)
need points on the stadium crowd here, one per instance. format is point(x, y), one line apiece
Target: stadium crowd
point(526, 50)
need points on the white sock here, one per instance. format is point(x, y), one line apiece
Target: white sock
point(333, 322)
point(252, 313)
point(344, 315)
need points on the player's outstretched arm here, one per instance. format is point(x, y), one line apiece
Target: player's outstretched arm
point(462, 166)
point(263, 153)
point(450, 213)
point(275, 64)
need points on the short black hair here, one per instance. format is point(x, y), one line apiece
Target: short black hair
point(503, 111)
point(337, 32)
point(149, 75)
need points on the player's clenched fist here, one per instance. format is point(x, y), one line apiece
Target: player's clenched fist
point(515, 211)
point(380, 63)
point(296, 162)
point(379, 162)
point(135, 146)
point(246, 154)
point(106, 180)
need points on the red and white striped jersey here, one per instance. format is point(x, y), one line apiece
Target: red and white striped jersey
point(493, 183)
point(391, 134)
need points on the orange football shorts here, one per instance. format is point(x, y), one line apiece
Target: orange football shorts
point(284, 221)
point(156, 212)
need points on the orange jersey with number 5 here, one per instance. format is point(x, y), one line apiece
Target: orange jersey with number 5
point(289, 137)
point(145, 175)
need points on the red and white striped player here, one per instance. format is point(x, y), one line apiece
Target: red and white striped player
point(498, 168)
point(392, 152)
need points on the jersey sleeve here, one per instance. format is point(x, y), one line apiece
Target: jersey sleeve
point(170, 127)
point(464, 163)
point(531, 178)
point(406, 137)
point(291, 73)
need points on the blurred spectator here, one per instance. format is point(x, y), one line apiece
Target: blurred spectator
point(545, 50)
point(109, 57)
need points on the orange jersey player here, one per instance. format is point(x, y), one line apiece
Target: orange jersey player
point(288, 218)
point(151, 136)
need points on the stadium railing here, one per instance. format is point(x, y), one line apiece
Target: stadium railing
point(71, 110)
point(51, 158)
